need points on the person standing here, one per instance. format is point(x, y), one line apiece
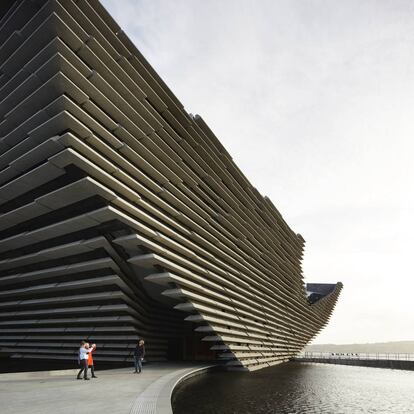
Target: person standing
point(83, 360)
point(80, 361)
point(90, 361)
point(139, 354)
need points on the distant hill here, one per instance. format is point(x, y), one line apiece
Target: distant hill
point(377, 347)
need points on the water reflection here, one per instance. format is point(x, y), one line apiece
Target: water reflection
point(299, 388)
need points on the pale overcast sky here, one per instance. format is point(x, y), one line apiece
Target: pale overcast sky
point(314, 100)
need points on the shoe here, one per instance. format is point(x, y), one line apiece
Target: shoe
point(78, 378)
point(94, 376)
point(86, 379)
point(135, 372)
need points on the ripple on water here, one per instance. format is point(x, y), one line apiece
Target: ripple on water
point(299, 388)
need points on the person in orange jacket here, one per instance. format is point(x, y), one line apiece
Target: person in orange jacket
point(90, 360)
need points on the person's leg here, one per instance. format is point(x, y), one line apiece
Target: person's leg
point(139, 364)
point(93, 371)
point(136, 363)
point(85, 372)
point(82, 367)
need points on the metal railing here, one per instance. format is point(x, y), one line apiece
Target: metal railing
point(357, 355)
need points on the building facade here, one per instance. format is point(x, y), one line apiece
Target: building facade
point(122, 216)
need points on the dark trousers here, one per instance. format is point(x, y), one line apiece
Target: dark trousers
point(84, 368)
point(92, 370)
point(138, 364)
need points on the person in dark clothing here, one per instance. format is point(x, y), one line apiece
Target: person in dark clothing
point(139, 354)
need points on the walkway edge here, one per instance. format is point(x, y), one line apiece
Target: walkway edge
point(185, 377)
point(157, 397)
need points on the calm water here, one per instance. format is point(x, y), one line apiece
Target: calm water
point(299, 388)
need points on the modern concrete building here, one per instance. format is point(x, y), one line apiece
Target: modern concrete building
point(122, 216)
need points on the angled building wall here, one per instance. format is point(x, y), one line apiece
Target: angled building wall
point(122, 216)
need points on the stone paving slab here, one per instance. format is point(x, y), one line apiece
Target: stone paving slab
point(115, 391)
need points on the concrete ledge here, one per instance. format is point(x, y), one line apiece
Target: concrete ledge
point(192, 374)
point(157, 398)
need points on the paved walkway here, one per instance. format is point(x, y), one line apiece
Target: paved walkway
point(116, 391)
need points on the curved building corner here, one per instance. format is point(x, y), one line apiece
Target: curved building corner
point(123, 216)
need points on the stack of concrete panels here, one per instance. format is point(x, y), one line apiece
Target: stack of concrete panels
point(119, 210)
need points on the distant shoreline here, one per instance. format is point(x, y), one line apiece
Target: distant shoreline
point(375, 347)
